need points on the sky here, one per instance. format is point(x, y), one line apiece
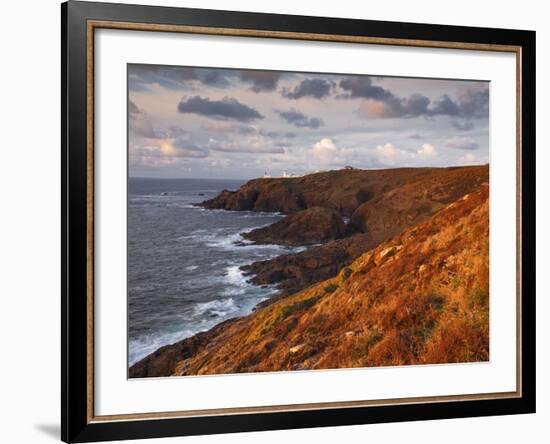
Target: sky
point(189, 122)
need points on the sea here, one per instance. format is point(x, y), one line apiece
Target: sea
point(183, 261)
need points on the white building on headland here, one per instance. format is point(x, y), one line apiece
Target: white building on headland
point(285, 175)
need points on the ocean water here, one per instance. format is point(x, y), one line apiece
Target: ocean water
point(183, 261)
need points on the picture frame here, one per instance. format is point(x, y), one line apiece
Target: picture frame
point(80, 21)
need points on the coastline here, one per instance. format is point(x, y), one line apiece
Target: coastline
point(329, 250)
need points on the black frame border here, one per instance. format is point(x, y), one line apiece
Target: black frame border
point(75, 424)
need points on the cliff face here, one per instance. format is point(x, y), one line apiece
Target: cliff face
point(311, 226)
point(342, 190)
point(411, 198)
point(293, 272)
point(421, 297)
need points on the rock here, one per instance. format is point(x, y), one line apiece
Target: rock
point(296, 349)
point(311, 226)
point(414, 201)
point(347, 190)
point(293, 272)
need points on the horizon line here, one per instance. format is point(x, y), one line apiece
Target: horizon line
point(307, 174)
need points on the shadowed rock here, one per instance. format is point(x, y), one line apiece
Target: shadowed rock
point(311, 226)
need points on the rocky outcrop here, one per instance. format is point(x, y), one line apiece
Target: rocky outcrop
point(346, 190)
point(293, 272)
point(383, 216)
point(260, 195)
point(342, 190)
point(387, 214)
point(312, 226)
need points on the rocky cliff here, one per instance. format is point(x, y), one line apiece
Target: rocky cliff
point(311, 226)
point(399, 201)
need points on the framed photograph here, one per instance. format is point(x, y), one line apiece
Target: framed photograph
point(275, 221)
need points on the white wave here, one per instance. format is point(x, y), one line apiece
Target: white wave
point(225, 242)
point(220, 307)
point(192, 267)
point(234, 276)
point(139, 348)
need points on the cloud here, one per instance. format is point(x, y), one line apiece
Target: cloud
point(462, 143)
point(138, 122)
point(168, 149)
point(238, 129)
point(227, 108)
point(325, 150)
point(382, 103)
point(261, 80)
point(388, 154)
point(416, 136)
point(462, 125)
point(361, 86)
point(146, 77)
point(474, 102)
point(413, 106)
point(229, 127)
point(317, 88)
point(173, 142)
point(427, 151)
point(467, 159)
point(300, 120)
point(470, 104)
point(254, 144)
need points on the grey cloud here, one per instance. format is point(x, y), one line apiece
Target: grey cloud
point(243, 147)
point(462, 125)
point(138, 122)
point(143, 77)
point(470, 103)
point(445, 105)
point(462, 143)
point(317, 88)
point(300, 120)
point(361, 86)
point(190, 150)
point(415, 105)
point(270, 134)
point(243, 129)
point(261, 80)
point(227, 108)
point(133, 109)
point(184, 147)
point(416, 136)
point(474, 103)
point(229, 127)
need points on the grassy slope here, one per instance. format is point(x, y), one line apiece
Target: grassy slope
point(421, 297)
